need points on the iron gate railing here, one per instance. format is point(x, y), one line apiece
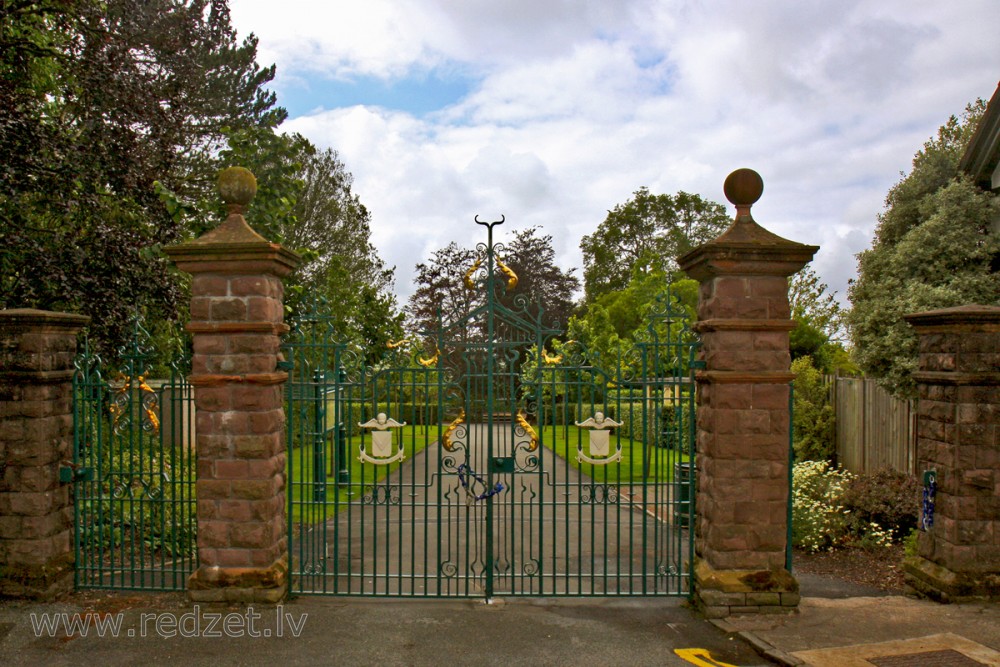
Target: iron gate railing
point(133, 471)
point(492, 458)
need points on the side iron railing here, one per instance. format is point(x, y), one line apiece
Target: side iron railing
point(133, 470)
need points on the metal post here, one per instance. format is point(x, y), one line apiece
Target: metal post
point(319, 439)
point(343, 469)
point(490, 297)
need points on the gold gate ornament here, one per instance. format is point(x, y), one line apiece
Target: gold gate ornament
point(381, 432)
point(600, 441)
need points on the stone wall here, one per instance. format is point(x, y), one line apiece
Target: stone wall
point(37, 349)
point(958, 439)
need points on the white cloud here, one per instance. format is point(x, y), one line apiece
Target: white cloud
point(580, 103)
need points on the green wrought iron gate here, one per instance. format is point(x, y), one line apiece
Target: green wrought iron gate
point(133, 470)
point(489, 456)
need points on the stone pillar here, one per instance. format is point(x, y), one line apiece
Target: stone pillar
point(236, 321)
point(37, 349)
point(741, 528)
point(958, 437)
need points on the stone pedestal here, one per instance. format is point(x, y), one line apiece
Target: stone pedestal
point(741, 529)
point(37, 349)
point(958, 438)
point(236, 320)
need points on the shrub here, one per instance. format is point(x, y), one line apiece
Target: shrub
point(888, 499)
point(812, 415)
point(819, 520)
point(910, 543)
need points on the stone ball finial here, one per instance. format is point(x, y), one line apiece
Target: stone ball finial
point(743, 187)
point(237, 186)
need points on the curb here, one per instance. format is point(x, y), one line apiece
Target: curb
point(764, 648)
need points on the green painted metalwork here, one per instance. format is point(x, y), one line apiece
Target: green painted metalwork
point(499, 492)
point(133, 471)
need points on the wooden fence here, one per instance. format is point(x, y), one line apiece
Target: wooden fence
point(874, 429)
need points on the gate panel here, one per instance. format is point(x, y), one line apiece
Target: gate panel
point(475, 462)
point(133, 471)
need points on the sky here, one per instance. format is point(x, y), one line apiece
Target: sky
point(552, 112)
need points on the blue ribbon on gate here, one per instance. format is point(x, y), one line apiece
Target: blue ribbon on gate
point(464, 475)
point(930, 491)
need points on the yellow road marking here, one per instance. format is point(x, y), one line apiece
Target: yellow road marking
point(700, 657)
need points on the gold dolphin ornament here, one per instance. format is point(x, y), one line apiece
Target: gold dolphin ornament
point(469, 283)
point(432, 361)
point(446, 436)
point(530, 432)
point(551, 359)
point(393, 344)
point(509, 273)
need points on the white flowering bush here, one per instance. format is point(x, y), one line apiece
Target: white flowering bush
point(833, 507)
point(873, 536)
point(819, 519)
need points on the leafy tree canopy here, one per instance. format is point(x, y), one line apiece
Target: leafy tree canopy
point(646, 234)
point(305, 202)
point(611, 327)
point(115, 117)
point(933, 248)
point(819, 330)
point(97, 101)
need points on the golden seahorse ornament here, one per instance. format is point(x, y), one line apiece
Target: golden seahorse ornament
point(511, 276)
point(432, 361)
point(469, 283)
point(446, 437)
point(551, 359)
point(530, 432)
point(393, 344)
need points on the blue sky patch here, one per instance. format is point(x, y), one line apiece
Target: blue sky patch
point(417, 94)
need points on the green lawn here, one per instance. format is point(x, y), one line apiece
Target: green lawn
point(299, 467)
point(564, 441)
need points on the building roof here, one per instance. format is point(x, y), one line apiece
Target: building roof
point(983, 154)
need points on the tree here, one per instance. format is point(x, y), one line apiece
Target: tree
point(646, 234)
point(616, 321)
point(331, 228)
point(810, 301)
point(99, 101)
point(819, 327)
point(305, 202)
point(540, 280)
point(441, 294)
point(541, 283)
point(932, 249)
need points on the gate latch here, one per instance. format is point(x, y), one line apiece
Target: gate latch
point(502, 464)
point(71, 472)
